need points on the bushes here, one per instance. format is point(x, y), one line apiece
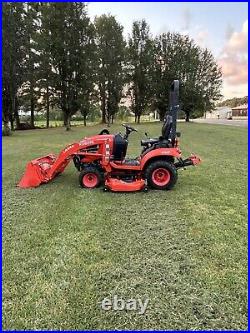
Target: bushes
point(123, 113)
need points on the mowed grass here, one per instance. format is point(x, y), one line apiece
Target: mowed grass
point(65, 248)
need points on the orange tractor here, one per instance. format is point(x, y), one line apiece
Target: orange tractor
point(101, 159)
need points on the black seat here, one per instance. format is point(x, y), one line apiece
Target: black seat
point(166, 128)
point(165, 133)
point(149, 141)
point(119, 147)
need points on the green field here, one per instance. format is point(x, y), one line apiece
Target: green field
point(59, 123)
point(65, 248)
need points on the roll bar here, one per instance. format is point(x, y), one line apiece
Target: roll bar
point(174, 107)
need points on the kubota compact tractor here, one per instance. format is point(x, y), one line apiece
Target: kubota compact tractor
point(101, 159)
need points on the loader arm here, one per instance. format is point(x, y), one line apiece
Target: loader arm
point(63, 159)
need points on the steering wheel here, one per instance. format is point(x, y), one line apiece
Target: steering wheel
point(129, 129)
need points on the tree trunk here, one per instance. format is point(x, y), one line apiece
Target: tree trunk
point(12, 122)
point(16, 114)
point(6, 128)
point(108, 120)
point(32, 103)
point(67, 121)
point(68, 124)
point(138, 119)
point(12, 111)
point(85, 120)
point(162, 113)
point(6, 106)
point(64, 112)
point(187, 116)
point(112, 119)
point(135, 118)
point(103, 107)
point(47, 106)
point(32, 117)
point(32, 106)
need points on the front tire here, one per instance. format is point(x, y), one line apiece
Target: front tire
point(161, 175)
point(90, 178)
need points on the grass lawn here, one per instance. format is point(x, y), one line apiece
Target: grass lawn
point(65, 248)
point(59, 123)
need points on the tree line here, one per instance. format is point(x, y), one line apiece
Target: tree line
point(54, 55)
point(233, 102)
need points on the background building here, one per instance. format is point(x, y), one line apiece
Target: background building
point(240, 111)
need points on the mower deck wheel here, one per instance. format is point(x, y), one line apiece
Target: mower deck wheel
point(90, 178)
point(161, 175)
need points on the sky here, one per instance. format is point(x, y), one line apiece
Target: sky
point(222, 27)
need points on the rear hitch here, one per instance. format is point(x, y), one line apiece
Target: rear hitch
point(192, 160)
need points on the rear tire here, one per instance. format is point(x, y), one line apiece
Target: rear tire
point(90, 178)
point(161, 175)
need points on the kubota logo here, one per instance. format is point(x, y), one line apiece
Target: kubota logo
point(86, 142)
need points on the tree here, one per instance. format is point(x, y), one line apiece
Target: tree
point(233, 102)
point(111, 56)
point(54, 56)
point(29, 88)
point(12, 64)
point(88, 65)
point(45, 74)
point(140, 64)
point(68, 25)
point(177, 57)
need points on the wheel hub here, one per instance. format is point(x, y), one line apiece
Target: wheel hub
point(161, 176)
point(90, 180)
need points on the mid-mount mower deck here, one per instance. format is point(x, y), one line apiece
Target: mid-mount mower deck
point(101, 159)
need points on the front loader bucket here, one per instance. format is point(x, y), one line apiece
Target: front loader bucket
point(37, 172)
